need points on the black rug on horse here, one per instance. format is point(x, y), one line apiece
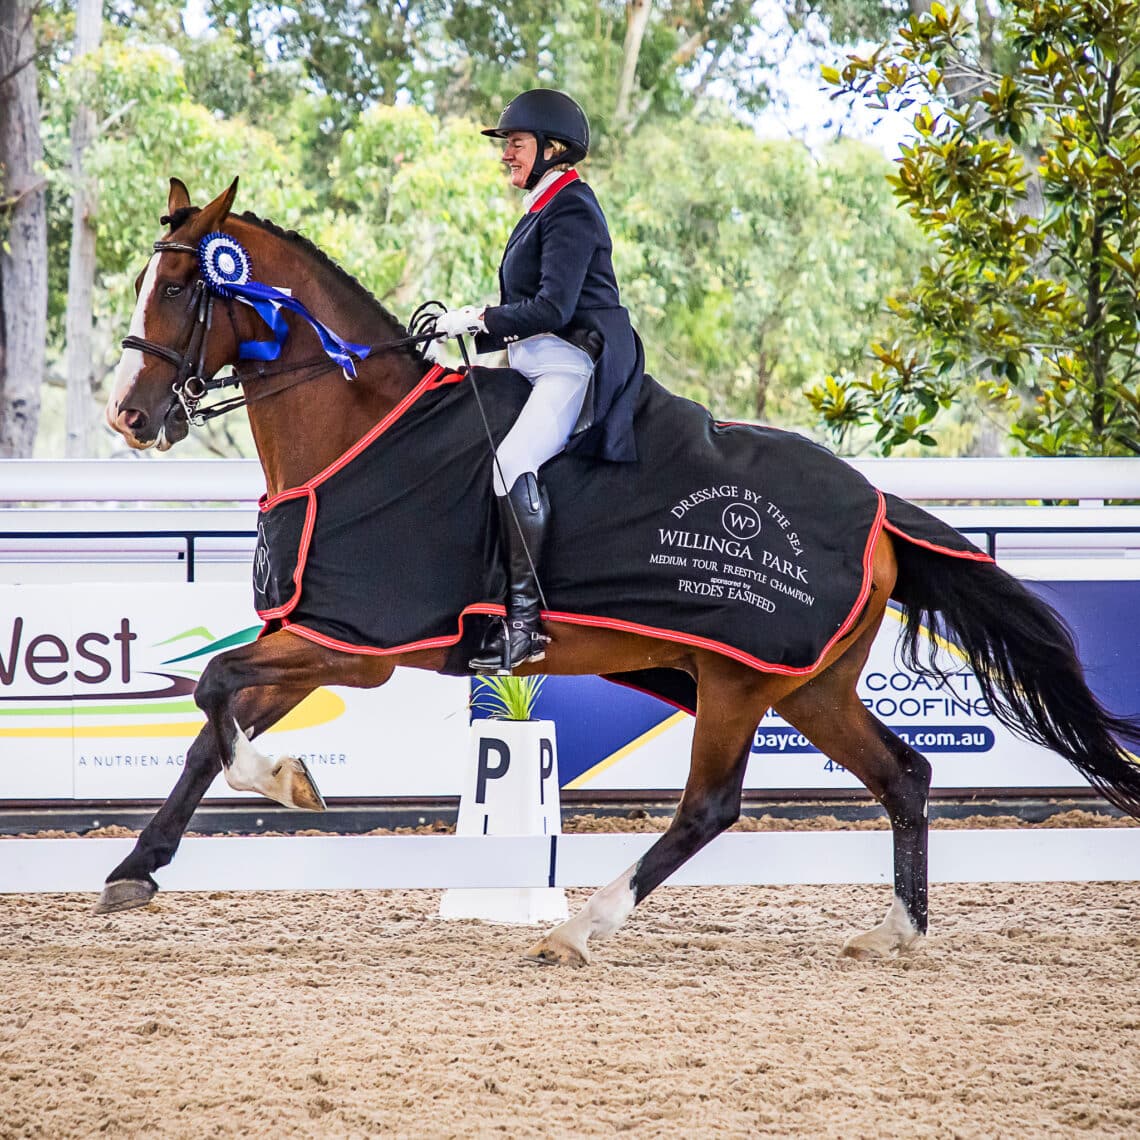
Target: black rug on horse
point(751, 541)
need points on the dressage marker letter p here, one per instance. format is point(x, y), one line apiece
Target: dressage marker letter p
point(485, 772)
point(545, 767)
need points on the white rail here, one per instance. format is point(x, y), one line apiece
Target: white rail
point(268, 863)
point(240, 480)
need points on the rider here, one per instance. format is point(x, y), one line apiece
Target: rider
point(562, 322)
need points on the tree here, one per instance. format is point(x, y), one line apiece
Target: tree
point(752, 267)
point(81, 271)
point(23, 233)
point(422, 210)
point(150, 129)
point(1041, 308)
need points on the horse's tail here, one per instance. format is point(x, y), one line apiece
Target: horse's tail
point(1025, 660)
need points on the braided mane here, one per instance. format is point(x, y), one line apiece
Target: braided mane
point(321, 258)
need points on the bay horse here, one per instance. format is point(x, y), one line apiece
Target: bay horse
point(304, 415)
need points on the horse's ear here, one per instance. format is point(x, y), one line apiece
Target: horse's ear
point(179, 198)
point(212, 216)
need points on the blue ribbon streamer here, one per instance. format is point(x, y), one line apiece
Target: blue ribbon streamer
point(268, 303)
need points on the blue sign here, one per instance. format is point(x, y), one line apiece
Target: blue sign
point(599, 722)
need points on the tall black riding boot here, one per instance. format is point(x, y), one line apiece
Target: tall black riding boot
point(522, 639)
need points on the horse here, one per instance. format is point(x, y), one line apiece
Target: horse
point(304, 415)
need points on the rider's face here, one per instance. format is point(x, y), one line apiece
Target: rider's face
point(519, 151)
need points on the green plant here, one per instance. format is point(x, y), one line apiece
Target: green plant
point(1027, 185)
point(507, 698)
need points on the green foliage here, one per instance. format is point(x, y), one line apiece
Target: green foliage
point(507, 698)
point(150, 129)
point(750, 268)
point(1033, 308)
point(393, 162)
point(756, 266)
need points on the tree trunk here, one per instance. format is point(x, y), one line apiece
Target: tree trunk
point(23, 234)
point(763, 382)
point(81, 270)
point(637, 18)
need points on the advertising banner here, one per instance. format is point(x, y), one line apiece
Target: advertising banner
point(97, 682)
point(96, 700)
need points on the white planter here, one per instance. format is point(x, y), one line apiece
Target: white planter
point(510, 788)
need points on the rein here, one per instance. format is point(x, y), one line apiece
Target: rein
point(190, 386)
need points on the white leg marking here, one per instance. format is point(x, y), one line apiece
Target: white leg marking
point(287, 780)
point(132, 361)
point(606, 910)
point(896, 932)
point(249, 769)
point(604, 913)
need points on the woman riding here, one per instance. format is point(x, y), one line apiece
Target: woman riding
point(561, 320)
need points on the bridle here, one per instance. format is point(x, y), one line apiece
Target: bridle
point(191, 385)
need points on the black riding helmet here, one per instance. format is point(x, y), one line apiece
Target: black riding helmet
point(548, 115)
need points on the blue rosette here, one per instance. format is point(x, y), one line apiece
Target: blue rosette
point(226, 269)
point(224, 262)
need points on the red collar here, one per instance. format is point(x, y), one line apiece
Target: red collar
point(559, 184)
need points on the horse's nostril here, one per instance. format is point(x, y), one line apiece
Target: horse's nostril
point(132, 419)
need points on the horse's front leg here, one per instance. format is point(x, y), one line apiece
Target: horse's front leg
point(131, 883)
point(281, 678)
point(284, 661)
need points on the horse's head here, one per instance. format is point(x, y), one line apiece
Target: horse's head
point(168, 346)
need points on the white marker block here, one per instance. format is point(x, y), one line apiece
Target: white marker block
point(511, 788)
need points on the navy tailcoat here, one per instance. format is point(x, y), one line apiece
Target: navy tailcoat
point(557, 276)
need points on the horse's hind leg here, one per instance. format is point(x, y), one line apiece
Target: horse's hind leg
point(828, 711)
point(731, 699)
point(131, 884)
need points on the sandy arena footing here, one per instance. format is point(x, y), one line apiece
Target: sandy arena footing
point(715, 1012)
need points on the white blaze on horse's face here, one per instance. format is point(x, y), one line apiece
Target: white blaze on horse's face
point(132, 362)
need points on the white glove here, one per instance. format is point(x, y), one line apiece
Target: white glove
point(460, 322)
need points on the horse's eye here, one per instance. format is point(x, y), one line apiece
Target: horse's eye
point(172, 290)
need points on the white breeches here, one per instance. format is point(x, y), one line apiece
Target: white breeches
point(559, 373)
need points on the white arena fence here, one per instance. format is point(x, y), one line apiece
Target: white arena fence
point(378, 862)
point(190, 518)
point(138, 520)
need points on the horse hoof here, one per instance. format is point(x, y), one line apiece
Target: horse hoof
point(124, 894)
point(878, 944)
point(546, 952)
point(302, 791)
point(861, 952)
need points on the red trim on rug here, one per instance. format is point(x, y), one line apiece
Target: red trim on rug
point(552, 189)
point(432, 379)
point(443, 642)
point(971, 555)
point(302, 549)
point(443, 378)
